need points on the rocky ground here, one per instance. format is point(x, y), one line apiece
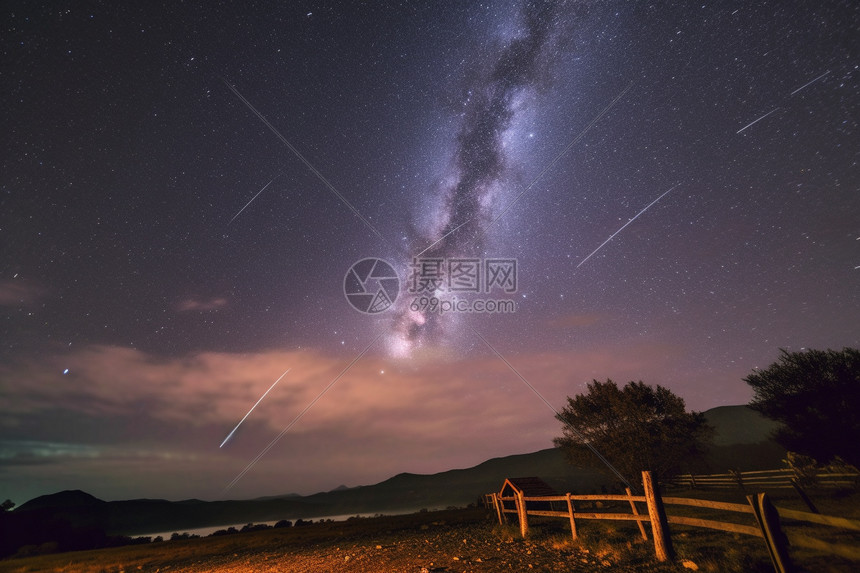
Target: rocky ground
point(449, 542)
point(438, 548)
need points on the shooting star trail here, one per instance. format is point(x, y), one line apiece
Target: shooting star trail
point(548, 405)
point(252, 199)
point(565, 150)
point(756, 121)
point(301, 157)
point(809, 83)
point(230, 435)
point(625, 225)
point(277, 438)
point(555, 160)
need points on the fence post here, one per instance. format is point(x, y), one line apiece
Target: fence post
point(659, 525)
point(570, 510)
point(768, 520)
point(523, 515)
point(636, 512)
point(796, 485)
point(499, 507)
point(739, 479)
point(692, 481)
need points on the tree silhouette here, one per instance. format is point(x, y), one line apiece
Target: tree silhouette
point(635, 428)
point(815, 395)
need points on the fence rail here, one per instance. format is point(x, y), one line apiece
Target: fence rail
point(763, 520)
point(770, 479)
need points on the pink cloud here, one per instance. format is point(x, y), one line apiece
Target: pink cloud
point(383, 417)
point(17, 291)
point(202, 305)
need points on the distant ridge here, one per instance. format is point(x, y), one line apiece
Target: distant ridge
point(739, 425)
point(68, 499)
point(741, 442)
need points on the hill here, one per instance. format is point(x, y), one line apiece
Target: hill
point(739, 425)
point(741, 442)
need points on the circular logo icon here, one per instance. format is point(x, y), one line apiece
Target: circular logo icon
point(371, 285)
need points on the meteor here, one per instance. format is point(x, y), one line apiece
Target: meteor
point(809, 83)
point(758, 120)
point(298, 417)
point(612, 236)
point(302, 158)
point(252, 199)
point(230, 435)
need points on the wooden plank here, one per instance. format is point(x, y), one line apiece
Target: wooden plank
point(833, 521)
point(777, 543)
point(851, 552)
point(546, 498)
point(636, 512)
point(611, 516)
point(499, 509)
point(711, 524)
point(570, 511)
point(721, 505)
point(523, 514)
point(659, 525)
point(547, 513)
point(603, 497)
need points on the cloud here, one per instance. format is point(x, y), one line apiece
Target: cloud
point(203, 305)
point(119, 408)
point(17, 292)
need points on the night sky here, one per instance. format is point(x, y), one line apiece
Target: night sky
point(183, 189)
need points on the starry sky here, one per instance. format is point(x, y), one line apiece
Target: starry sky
point(184, 188)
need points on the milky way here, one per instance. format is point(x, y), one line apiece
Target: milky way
point(155, 280)
point(480, 166)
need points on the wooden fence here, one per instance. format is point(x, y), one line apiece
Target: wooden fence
point(767, 479)
point(761, 519)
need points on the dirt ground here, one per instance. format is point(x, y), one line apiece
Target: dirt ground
point(449, 542)
point(454, 541)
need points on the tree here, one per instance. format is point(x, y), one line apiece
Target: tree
point(815, 396)
point(635, 428)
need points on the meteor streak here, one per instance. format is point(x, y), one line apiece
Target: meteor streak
point(758, 120)
point(265, 450)
point(809, 83)
point(230, 435)
point(565, 150)
point(301, 157)
point(252, 199)
point(546, 168)
point(612, 236)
